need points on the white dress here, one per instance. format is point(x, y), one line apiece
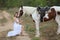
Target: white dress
point(16, 29)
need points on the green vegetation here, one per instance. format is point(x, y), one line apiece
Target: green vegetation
point(35, 38)
point(18, 3)
point(30, 30)
point(47, 30)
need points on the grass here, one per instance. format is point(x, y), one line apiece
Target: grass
point(3, 21)
point(4, 34)
point(35, 38)
point(47, 29)
point(30, 27)
point(30, 30)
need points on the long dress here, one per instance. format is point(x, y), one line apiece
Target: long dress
point(16, 29)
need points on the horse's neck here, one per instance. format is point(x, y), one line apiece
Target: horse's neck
point(29, 10)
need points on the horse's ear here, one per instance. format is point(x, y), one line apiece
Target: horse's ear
point(38, 8)
point(47, 8)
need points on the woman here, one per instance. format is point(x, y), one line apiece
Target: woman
point(17, 27)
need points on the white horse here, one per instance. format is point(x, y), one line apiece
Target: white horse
point(54, 13)
point(34, 13)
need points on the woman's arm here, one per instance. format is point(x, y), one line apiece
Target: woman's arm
point(16, 20)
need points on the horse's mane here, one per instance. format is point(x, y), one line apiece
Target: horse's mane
point(29, 6)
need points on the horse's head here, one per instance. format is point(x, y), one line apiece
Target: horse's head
point(20, 11)
point(42, 11)
point(38, 9)
point(50, 14)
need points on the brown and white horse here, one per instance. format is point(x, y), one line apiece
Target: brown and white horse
point(35, 12)
point(53, 13)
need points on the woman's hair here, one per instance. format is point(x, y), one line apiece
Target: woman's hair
point(16, 14)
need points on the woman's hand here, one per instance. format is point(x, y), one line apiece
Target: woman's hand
point(20, 21)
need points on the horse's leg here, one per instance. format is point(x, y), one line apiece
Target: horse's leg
point(37, 29)
point(58, 30)
point(58, 22)
point(36, 18)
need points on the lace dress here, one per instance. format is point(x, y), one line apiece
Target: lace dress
point(16, 29)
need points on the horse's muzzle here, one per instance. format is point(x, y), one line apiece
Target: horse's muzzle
point(45, 19)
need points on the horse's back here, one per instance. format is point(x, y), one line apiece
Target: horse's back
point(57, 8)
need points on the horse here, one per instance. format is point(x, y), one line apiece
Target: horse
point(53, 13)
point(36, 14)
